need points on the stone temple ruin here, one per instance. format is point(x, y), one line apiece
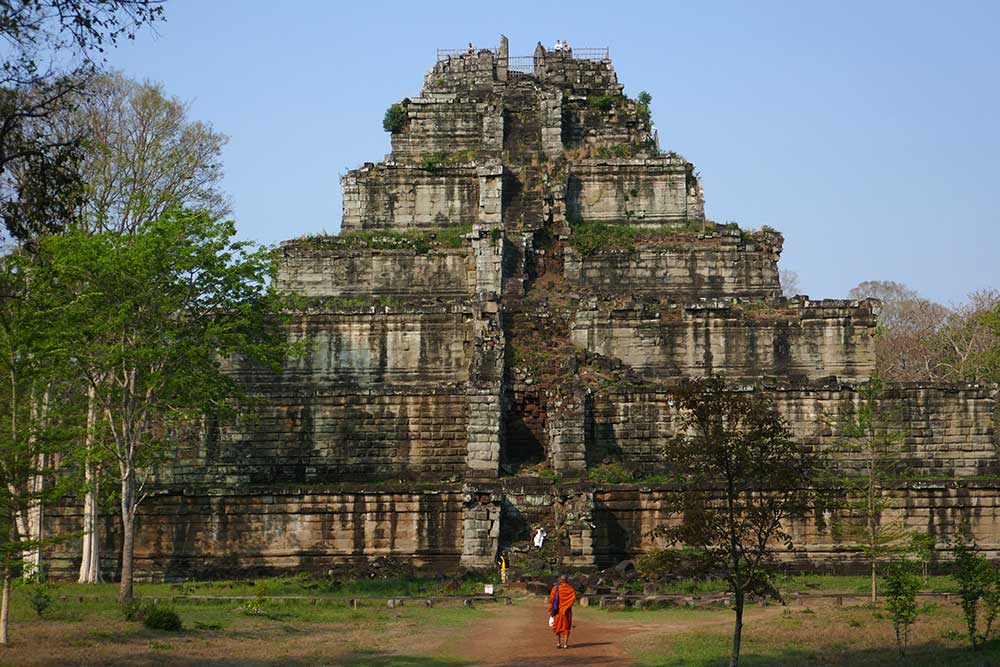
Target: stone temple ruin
point(516, 288)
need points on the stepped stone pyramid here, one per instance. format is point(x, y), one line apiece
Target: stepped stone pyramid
point(515, 290)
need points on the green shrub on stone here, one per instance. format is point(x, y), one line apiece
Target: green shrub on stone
point(395, 117)
point(602, 102)
point(609, 473)
point(642, 106)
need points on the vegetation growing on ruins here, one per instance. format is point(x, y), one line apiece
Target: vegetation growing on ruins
point(602, 102)
point(395, 116)
point(420, 240)
point(766, 311)
point(589, 238)
point(439, 159)
point(642, 106)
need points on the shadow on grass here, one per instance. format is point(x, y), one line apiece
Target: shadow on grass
point(925, 655)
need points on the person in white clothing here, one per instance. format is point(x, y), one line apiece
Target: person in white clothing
point(539, 538)
point(558, 46)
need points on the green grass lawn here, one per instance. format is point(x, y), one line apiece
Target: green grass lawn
point(300, 586)
point(94, 631)
point(822, 635)
point(806, 583)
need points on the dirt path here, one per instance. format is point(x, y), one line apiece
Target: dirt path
point(518, 635)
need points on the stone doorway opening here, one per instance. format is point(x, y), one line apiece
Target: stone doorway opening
point(523, 444)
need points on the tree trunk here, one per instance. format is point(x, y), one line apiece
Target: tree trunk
point(734, 661)
point(90, 564)
point(128, 537)
point(128, 559)
point(5, 604)
point(33, 528)
point(874, 582)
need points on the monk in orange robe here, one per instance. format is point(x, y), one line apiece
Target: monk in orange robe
point(561, 600)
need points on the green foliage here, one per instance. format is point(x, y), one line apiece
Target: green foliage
point(39, 591)
point(602, 102)
point(737, 443)
point(590, 237)
point(395, 117)
point(420, 240)
point(260, 605)
point(147, 319)
point(642, 105)
point(872, 435)
point(157, 617)
point(609, 473)
point(133, 609)
point(616, 151)
point(439, 159)
point(901, 586)
point(978, 587)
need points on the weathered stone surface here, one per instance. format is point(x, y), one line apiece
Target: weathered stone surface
point(311, 270)
point(442, 389)
point(397, 196)
point(641, 191)
point(949, 430)
point(687, 269)
point(798, 340)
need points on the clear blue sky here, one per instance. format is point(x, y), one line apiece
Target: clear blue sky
point(868, 132)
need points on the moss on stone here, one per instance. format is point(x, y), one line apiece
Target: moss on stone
point(420, 240)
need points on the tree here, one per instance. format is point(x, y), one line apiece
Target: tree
point(906, 322)
point(789, 281)
point(37, 180)
point(963, 346)
point(870, 435)
point(154, 319)
point(901, 587)
point(31, 426)
point(978, 586)
point(143, 156)
point(744, 479)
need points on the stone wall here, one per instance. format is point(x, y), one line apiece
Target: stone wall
point(949, 431)
point(800, 340)
point(311, 269)
point(449, 127)
point(642, 191)
point(397, 196)
point(261, 530)
point(625, 515)
point(688, 269)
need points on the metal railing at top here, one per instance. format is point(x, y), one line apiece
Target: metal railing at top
point(578, 54)
point(591, 54)
point(444, 54)
point(524, 64)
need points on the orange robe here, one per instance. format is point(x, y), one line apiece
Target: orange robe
point(564, 619)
